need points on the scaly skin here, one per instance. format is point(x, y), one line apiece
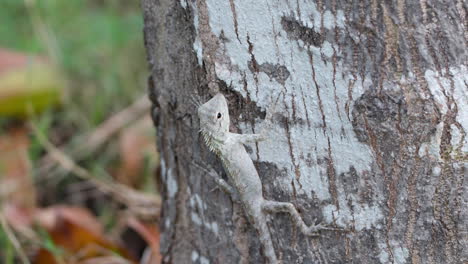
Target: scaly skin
point(242, 174)
point(244, 177)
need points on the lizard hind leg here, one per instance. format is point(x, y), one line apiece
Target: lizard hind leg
point(284, 207)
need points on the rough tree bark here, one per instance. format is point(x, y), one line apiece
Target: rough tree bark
point(370, 134)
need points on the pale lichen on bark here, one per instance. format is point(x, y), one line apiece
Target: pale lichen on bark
point(290, 44)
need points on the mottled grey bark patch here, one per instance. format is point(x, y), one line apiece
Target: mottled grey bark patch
point(386, 40)
point(273, 173)
point(283, 121)
point(298, 31)
point(285, 232)
point(390, 116)
point(275, 71)
point(396, 126)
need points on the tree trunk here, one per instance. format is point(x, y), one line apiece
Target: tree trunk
point(369, 134)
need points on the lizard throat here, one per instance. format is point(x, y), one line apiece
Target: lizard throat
point(213, 142)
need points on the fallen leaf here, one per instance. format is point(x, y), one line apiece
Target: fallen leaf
point(28, 85)
point(105, 260)
point(48, 218)
point(43, 256)
point(78, 233)
point(150, 233)
point(18, 217)
point(135, 142)
point(15, 169)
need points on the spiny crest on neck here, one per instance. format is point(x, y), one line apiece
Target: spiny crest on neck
point(211, 141)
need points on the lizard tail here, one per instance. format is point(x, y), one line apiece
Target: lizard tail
point(265, 239)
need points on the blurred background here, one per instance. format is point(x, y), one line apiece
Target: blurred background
point(77, 145)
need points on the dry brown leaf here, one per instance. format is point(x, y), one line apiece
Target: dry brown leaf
point(150, 233)
point(15, 169)
point(105, 260)
point(135, 142)
point(78, 233)
point(43, 256)
point(19, 218)
point(48, 218)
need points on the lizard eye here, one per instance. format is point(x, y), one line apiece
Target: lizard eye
point(219, 115)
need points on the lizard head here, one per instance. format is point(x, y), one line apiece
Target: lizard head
point(214, 116)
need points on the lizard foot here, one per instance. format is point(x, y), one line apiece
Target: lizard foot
point(315, 229)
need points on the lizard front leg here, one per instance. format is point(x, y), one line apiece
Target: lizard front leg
point(284, 207)
point(227, 188)
point(263, 135)
point(248, 138)
point(221, 183)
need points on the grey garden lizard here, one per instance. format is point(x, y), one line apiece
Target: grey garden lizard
point(244, 182)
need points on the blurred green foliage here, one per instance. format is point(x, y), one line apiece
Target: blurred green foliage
point(98, 45)
point(7, 252)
